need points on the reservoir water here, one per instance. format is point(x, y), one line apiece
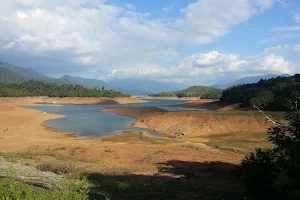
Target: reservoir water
point(88, 120)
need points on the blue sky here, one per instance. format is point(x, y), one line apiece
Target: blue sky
point(190, 41)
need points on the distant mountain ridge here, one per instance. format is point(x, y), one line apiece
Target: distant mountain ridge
point(14, 74)
point(90, 83)
point(248, 79)
point(11, 73)
point(144, 87)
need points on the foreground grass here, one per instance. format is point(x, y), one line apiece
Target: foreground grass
point(174, 180)
point(14, 190)
point(243, 142)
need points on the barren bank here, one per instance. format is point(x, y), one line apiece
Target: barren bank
point(21, 130)
point(195, 123)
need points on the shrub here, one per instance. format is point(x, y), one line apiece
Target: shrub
point(275, 174)
point(58, 168)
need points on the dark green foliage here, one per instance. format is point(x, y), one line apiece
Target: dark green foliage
point(7, 76)
point(203, 92)
point(258, 173)
point(279, 93)
point(14, 74)
point(39, 88)
point(275, 173)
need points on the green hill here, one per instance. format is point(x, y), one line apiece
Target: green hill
point(39, 88)
point(204, 92)
point(280, 93)
point(7, 76)
point(90, 83)
point(14, 74)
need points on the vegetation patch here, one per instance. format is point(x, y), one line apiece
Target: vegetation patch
point(12, 189)
point(40, 88)
point(203, 92)
point(242, 142)
point(56, 167)
point(274, 94)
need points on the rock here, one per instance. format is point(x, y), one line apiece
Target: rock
point(179, 135)
point(30, 175)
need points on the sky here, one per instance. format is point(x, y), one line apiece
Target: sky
point(195, 42)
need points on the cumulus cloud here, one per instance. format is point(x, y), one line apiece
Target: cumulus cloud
point(112, 34)
point(283, 49)
point(95, 36)
point(207, 68)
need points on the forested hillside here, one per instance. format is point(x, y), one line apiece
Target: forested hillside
point(203, 92)
point(281, 93)
point(39, 88)
point(7, 76)
point(14, 74)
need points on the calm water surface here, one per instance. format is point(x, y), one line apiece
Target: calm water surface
point(88, 120)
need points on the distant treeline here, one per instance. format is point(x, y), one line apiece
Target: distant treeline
point(281, 93)
point(202, 92)
point(39, 88)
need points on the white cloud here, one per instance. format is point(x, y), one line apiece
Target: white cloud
point(101, 35)
point(274, 64)
point(286, 28)
point(168, 8)
point(279, 37)
point(129, 6)
point(281, 33)
point(297, 17)
point(283, 49)
point(208, 68)
point(85, 60)
point(21, 15)
point(9, 45)
point(207, 20)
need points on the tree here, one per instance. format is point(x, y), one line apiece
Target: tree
point(275, 173)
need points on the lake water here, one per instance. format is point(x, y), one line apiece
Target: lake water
point(88, 120)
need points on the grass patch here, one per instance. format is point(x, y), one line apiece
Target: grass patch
point(11, 189)
point(58, 168)
point(244, 142)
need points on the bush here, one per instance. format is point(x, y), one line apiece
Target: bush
point(58, 168)
point(258, 172)
point(275, 174)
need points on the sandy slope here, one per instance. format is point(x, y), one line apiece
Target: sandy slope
point(195, 123)
point(21, 130)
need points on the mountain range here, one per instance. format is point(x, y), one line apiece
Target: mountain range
point(14, 74)
point(247, 80)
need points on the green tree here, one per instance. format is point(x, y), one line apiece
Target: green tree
point(275, 173)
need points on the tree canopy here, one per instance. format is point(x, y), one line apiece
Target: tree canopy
point(279, 93)
point(275, 173)
point(39, 88)
point(203, 92)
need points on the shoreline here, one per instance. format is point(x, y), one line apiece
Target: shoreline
point(193, 124)
point(22, 130)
